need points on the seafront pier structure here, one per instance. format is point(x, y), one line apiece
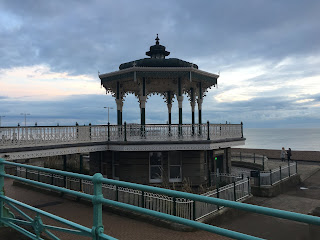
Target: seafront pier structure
point(169, 152)
point(142, 153)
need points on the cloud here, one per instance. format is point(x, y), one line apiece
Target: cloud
point(267, 54)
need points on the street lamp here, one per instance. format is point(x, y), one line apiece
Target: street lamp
point(25, 118)
point(0, 119)
point(108, 112)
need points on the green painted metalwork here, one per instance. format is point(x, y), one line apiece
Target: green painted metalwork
point(97, 199)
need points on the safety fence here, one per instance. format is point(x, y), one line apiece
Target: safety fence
point(39, 227)
point(13, 137)
point(251, 158)
point(180, 207)
point(271, 177)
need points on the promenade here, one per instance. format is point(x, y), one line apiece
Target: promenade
point(120, 227)
point(124, 227)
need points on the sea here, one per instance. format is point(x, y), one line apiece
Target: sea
point(301, 139)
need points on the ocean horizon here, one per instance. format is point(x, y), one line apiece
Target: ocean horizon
point(300, 139)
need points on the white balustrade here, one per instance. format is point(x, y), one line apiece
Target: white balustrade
point(17, 137)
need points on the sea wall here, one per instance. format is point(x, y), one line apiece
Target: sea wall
point(272, 153)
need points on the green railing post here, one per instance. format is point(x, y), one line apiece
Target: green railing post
point(97, 228)
point(26, 173)
point(38, 176)
point(1, 186)
point(52, 179)
point(234, 191)
point(81, 170)
point(208, 129)
point(125, 131)
point(270, 177)
point(108, 131)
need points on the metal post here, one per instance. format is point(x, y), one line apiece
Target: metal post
point(194, 210)
point(218, 195)
point(241, 129)
point(259, 180)
point(108, 131)
point(296, 167)
point(125, 131)
point(280, 173)
point(142, 199)
point(81, 170)
point(117, 195)
point(289, 168)
point(208, 127)
point(174, 212)
point(97, 228)
point(26, 173)
point(234, 191)
point(65, 169)
point(263, 162)
point(254, 158)
point(270, 177)
point(249, 189)
point(1, 186)
point(38, 176)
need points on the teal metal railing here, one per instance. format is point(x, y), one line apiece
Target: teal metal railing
point(96, 232)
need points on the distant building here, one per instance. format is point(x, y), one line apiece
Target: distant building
point(165, 153)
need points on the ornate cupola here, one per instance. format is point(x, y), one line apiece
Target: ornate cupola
point(157, 51)
point(170, 77)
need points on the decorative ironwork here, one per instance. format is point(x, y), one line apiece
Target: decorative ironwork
point(15, 137)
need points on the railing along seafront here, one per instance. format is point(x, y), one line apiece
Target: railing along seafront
point(271, 177)
point(251, 158)
point(12, 137)
point(237, 189)
point(97, 198)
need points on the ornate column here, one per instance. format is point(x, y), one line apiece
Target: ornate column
point(180, 99)
point(119, 103)
point(119, 111)
point(142, 100)
point(192, 103)
point(199, 100)
point(169, 104)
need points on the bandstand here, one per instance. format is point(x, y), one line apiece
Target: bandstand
point(172, 152)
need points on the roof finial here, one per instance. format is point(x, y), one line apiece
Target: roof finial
point(157, 40)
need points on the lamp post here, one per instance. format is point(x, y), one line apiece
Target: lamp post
point(0, 119)
point(25, 118)
point(108, 112)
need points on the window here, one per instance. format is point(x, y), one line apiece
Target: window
point(115, 165)
point(155, 167)
point(175, 167)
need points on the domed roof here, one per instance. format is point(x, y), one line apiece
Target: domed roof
point(157, 55)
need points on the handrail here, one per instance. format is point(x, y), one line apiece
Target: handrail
point(98, 199)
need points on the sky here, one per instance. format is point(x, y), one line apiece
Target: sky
point(267, 54)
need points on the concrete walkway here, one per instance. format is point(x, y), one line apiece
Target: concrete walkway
point(301, 199)
point(120, 227)
point(123, 227)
